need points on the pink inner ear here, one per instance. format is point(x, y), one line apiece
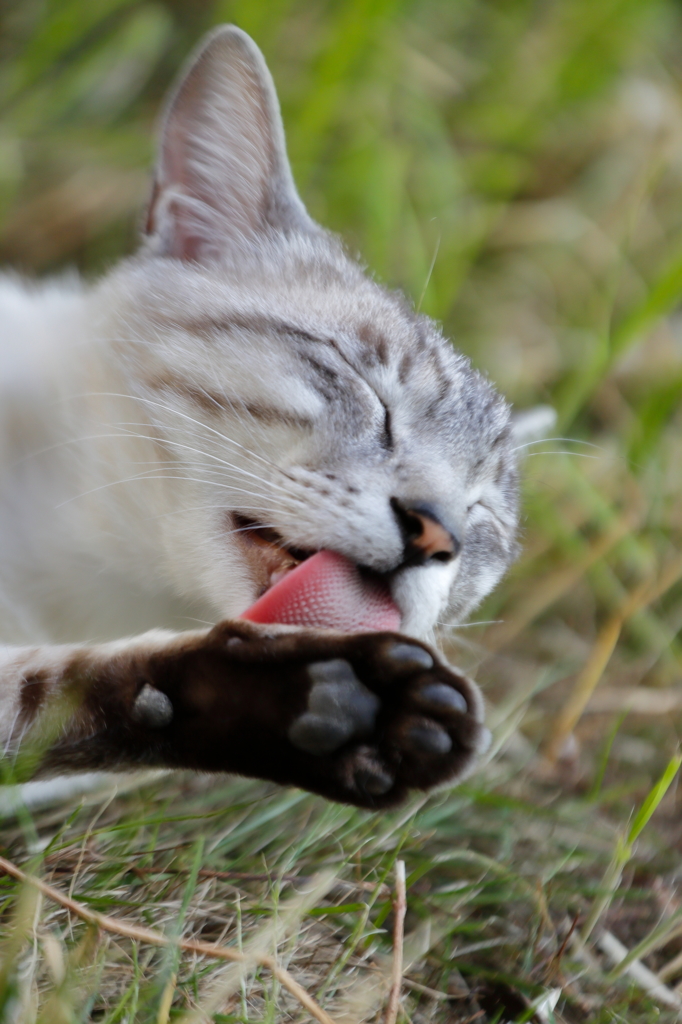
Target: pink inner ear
point(328, 592)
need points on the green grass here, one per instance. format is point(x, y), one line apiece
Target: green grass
point(516, 168)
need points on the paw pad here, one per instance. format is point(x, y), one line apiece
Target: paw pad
point(152, 708)
point(443, 696)
point(428, 738)
point(369, 774)
point(407, 657)
point(339, 707)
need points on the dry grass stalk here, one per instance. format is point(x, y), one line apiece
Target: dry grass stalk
point(227, 876)
point(154, 938)
point(643, 700)
point(600, 655)
point(399, 910)
point(672, 968)
point(646, 979)
point(167, 1000)
point(426, 990)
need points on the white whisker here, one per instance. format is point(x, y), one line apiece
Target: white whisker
point(468, 625)
point(223, 508)
point(150, 476)
point(430, 272)
point(198, 451)
point(546, 440)
point(575, 455)
point(178, 412)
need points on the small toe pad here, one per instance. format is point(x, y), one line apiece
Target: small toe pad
point(430, 739)
point(407, 657)
point(445, 697)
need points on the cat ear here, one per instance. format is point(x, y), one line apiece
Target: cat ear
point(532, 425)
point(222, 175)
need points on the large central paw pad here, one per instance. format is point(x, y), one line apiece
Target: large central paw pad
point(339, 708)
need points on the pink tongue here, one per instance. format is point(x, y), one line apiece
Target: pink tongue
point(327, 591)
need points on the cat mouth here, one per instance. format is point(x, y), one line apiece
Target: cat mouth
point(271, 557)
point(320, 589)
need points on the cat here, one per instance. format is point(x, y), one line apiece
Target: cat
point(177, 438)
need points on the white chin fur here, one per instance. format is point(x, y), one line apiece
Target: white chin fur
point(421, 596)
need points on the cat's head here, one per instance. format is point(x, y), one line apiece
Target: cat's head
point(300, 405)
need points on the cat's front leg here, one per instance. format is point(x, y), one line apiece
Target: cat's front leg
point(359, 718)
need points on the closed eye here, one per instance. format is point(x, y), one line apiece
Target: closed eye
point(386, 437)
point(491, 513)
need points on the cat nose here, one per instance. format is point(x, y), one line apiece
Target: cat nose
point(426, 539)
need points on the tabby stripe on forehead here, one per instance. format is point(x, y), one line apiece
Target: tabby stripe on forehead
point(376, 342)
point(327, 382)
point(213, 402)
point(405, 367)
point(208, 327)
point(259, 324)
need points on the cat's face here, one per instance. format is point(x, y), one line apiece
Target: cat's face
point(302, 406)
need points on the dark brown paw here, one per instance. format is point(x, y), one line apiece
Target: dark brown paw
point(386, 718)
point(360, 718)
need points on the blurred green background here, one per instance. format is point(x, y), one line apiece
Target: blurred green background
point(515, 166)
